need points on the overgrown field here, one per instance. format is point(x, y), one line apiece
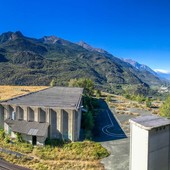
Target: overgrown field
point(7, 92)
point(84, 155)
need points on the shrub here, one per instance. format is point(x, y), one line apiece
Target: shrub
point(2, 134)
point(108, 98)
point(19, 137)
point(148, 103)
point(165, 108)
point(7, 139)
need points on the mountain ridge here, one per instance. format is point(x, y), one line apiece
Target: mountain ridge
point(31, 61)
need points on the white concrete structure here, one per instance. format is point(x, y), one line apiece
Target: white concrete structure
point(150, 143)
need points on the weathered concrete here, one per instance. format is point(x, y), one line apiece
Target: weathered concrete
point(150, 138)
point(59, 107)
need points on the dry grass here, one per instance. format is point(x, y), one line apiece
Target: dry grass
point(73, 156)
point(38, 164)
point(7, 92)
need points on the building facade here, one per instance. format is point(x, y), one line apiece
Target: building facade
point(53, 113)
point(150, 143)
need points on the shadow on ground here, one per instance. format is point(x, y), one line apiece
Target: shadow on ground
point(106, 126)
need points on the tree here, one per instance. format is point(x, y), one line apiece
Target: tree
point(52, 83)
point(165, 108)
point(148, 102)
point(140, 98)
point(108, 98)
point(85, 83)
point(98, 93)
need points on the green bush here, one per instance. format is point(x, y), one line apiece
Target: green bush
point(148, 102)
point(165, 108)
point(54, 142)
point(108, 98)
point(2, 134)
point(7, 139)
point(19, 137)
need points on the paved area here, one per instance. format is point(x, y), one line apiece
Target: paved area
point(119, 157)
point(113, 137)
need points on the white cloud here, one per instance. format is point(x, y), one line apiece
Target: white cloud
point(162, 71)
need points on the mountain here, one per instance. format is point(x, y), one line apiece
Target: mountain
point(163, 74)
point(31, 61)
point(90, 48)
point(139, 66)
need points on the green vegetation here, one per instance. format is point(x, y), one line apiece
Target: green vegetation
point(148, 102)
point(86, 150)
point(85, 83)
point(29, 61)
point(90, 103)
point(165, 108)
point(108, 98)
point(98, 93)
point(77, 155)
point(52, 83)
point(138, 98)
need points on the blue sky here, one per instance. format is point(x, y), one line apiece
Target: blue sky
point(136, 29)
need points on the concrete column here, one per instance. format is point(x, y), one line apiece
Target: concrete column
point(15, 110)
point(71, 125)
point(48, 120)
point(79, 123)
point(60, 122)
point(1, 116)
point(25, 116)
point(36, 114)
point(5, 112)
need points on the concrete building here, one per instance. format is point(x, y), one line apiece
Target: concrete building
point(150, 143)
point(53, 113)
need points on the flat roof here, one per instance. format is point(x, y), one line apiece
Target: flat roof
point(53, 97)
point(150, 121)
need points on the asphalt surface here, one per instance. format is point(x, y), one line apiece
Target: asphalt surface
point(107, 127)
point(110, 134)
point(7, 166)
point(115, 139)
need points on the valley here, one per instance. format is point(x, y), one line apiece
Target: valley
point(30, 61)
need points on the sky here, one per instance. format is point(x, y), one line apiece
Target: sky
point(136, 29)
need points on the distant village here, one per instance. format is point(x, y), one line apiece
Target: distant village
point(164, 89)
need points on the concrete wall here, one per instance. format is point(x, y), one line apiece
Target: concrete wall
point(54, 133)
point(20, 113)
point(159, 145)
point(150, 149)
point(40, 140)
point(63, 123)
point(138, 148)
point(30, 115)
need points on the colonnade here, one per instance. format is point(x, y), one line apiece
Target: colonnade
point(63, 123)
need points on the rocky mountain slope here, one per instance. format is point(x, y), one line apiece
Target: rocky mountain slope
point(139, 66)
point(31, 61)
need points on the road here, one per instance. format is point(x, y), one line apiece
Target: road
point(111, 136)
point(7, 166)
point(107, 128)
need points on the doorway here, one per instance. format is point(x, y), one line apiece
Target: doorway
point(34, 140)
